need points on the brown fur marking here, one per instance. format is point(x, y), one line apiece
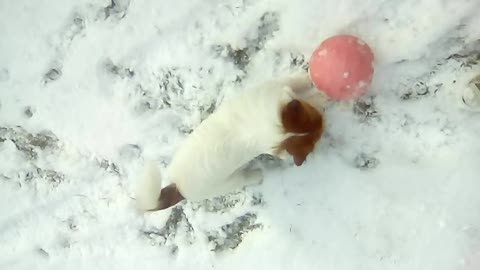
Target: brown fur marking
point(169, 196)
point(300, 117)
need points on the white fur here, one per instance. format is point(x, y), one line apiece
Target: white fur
point(209, 161)
point(147, 191)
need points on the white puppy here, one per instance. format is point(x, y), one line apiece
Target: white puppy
point(277, 118)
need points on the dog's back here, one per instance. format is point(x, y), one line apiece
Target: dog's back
point(241, 129)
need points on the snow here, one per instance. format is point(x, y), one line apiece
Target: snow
point(89, 90)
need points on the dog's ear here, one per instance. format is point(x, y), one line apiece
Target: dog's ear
point(300, 146)
point(291, 114)
point(300, 117)
point(169, 196)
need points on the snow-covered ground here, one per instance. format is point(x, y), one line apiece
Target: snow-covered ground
point(90, 89)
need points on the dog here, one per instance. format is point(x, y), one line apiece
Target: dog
point(280, 118)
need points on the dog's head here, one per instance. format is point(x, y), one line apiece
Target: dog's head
point(169, 196)
point(299, 117)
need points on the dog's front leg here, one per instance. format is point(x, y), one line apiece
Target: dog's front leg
point(241, 178)
point(300, 83)
point(247, 177)
point(238, 180)
point(303, 88)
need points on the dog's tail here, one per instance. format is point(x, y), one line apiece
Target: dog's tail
point(148, 188)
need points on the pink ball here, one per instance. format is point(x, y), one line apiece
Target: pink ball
point(342, 67)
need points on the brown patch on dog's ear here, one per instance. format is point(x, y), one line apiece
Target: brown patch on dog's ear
point(290, 116)
point(300, 146)
point(301, 118)
point(169, 196)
